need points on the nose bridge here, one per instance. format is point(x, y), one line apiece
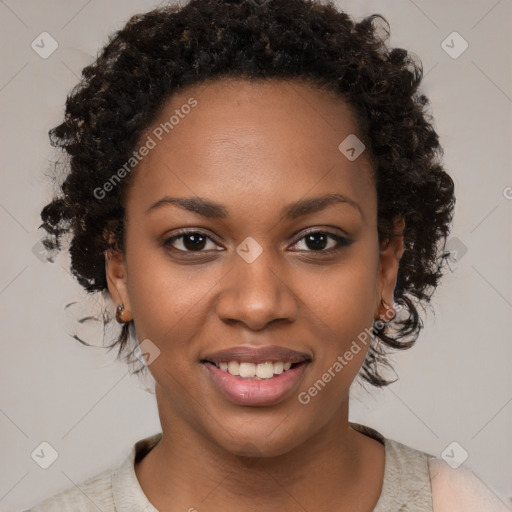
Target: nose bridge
point(256, 292)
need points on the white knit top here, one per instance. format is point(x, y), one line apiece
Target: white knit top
point(414, 481)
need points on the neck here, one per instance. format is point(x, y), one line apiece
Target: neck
point(188, 469)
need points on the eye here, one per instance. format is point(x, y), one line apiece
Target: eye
point(191, 241)
point(315, 241)
point(318, 240)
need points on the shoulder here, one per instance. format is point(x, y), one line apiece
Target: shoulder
point(93, 494)
point(112, 489)
point(414, 476)
point(460, 489)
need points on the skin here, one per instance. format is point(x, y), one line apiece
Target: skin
point(255, 148)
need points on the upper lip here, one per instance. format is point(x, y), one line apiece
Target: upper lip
point(251, 354)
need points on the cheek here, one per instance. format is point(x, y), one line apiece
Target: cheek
point(342, 308)
point(168, 300)
point(345, 294)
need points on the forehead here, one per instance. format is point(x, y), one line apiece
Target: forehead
point(240, 141)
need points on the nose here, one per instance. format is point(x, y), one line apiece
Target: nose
point(256, 294)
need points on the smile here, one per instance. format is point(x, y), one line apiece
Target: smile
point(256, 384)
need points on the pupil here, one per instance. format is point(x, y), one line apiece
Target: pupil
point(197, 243)
point(313, 237)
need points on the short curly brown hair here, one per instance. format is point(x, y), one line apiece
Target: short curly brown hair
point(164, 50)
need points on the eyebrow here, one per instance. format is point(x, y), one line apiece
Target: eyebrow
point(213, 210)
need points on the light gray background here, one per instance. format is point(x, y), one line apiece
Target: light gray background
point(455, 385)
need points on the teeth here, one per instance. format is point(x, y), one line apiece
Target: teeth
point(278, 367)
point(233, 367)
point(257, 371)
point(265, 370)
point(247, 370)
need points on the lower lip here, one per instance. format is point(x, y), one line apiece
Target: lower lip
point(244, 391)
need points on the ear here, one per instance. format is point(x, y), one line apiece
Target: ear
point(391, 252)
point(115, 270)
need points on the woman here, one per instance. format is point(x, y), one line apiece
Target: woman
point(258, 188)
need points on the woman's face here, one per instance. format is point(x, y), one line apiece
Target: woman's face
point(250, 272)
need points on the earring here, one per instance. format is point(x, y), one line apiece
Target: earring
point(390, 313)
point(123, 316)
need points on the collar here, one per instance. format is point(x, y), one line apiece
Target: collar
point(127, 493)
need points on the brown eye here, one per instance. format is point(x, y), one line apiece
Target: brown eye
point(190, 241)
point(318, 241)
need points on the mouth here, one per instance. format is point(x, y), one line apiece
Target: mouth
point(255, 371)
point(251, 384)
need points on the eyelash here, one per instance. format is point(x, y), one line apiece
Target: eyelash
point(341, 241)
